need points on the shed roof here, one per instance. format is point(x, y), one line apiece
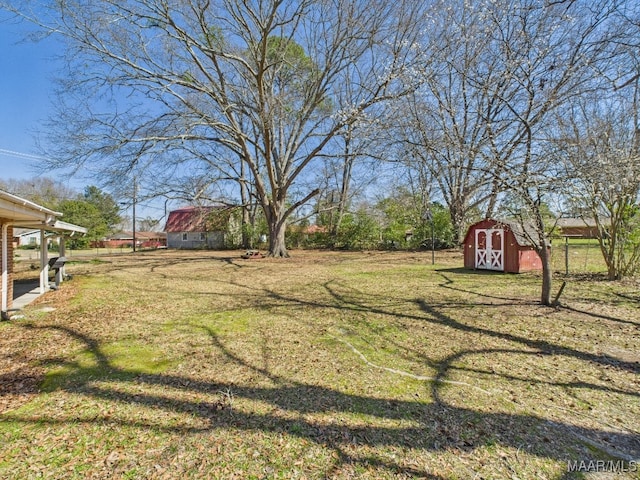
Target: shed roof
point(189, 219)
point(522, 233)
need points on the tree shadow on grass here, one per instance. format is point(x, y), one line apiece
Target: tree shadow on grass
point(482, 276)
point(432, 314)
point(629, 297)
point(157, 263)
point(449, 284)
point(542, 346)
point(598, 315)
point(326, 417)
point(317, 413)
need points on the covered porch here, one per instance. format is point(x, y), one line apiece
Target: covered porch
point(19, 212)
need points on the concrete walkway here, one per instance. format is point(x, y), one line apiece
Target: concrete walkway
point(24, 294)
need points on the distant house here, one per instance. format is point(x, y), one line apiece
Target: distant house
point(211, 227)
point(578, 227)
point(151, 239)
point(125, 239)
point(25, 237)
point(500, 245)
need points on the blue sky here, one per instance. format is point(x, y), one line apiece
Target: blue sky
point(26, 91)
point(25, 97)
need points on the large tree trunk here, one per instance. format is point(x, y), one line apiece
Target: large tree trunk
point(277, 246)
point(547, 276)
point(457, 213)
point(277, 227)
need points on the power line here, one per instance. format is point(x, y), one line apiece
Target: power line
point(146, 205)
point(11, 153)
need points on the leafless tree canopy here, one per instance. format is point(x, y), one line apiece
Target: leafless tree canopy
point(601, 161)
point(500, 76)
point(253, 90)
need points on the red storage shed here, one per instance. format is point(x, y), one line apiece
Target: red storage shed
point(499, 245)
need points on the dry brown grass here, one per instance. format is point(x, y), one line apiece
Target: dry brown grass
point(327, 365)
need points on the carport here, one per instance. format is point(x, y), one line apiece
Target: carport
point(19, 212)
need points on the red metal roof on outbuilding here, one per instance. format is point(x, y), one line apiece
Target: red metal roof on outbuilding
point(188, 219)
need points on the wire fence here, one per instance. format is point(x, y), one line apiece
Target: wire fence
point(34, 254)
point(577, 256)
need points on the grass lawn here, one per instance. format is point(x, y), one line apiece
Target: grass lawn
point(327, 365)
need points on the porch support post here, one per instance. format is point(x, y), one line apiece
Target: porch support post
point(44, 263)
point(5, 270)
point(60, 273)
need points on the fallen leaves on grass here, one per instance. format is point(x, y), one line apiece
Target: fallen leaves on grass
point(190, 364)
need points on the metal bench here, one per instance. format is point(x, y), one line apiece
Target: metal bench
point(57, 264)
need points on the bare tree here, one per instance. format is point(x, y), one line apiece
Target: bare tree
point(550, 55)
point(41, 190)
point(448, 125)
point(500, 72)
point(265, 81)
point(600, 147)
point(601, 152)
point(351, 170)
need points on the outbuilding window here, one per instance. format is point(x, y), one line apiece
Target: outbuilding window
point(185, 237)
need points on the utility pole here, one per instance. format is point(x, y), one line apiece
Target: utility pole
point(133, 207)
point(428, 216)
point(134, 213)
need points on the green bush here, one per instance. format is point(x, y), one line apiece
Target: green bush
point(359, 231)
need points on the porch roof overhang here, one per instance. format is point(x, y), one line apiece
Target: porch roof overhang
point(24, 213)
point(60, 226)
point(20, 211)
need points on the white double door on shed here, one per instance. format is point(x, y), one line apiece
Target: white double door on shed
point(490, 249)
